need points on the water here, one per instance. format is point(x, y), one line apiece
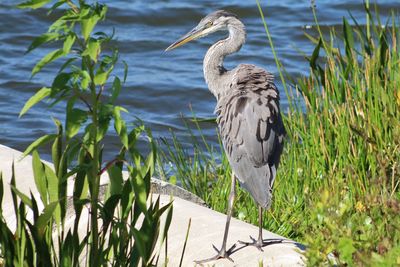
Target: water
point(161, 87)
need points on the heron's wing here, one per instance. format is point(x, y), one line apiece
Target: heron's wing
point(249, 116)
point(251, 129)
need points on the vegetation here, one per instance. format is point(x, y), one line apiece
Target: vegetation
point(122, 229)
point(337, 188)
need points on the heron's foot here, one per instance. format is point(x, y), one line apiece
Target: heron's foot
point(259, 243)
point(221, 254)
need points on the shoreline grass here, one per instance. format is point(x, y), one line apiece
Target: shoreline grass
point(337, 188)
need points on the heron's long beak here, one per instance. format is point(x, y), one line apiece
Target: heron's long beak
point(192, 35)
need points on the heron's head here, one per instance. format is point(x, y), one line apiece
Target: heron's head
point(216, 21)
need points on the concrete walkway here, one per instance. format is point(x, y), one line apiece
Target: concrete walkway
point(207, 226)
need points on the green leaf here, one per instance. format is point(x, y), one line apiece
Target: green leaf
point(81, 183)
point(186, 239)
point(150, 163)
point(125, 70)
point(85, 79)
point(34, 4)
point(92, 50)
point(75, 118)
point(168, 221)
point(101, 78)
point(44, 38)
point(172, 179)
point(103, 11)
point(202, 120)
point(311, 38)
point(24, 198)
point(383, 49)
point(116, 180)
point(12, 183)
point(59, 25)
point(56, 149)
point(55, 6)
point(120, 127)
point(127, 199)
point(67, 63)
point(60, 83)
point(52, 189)
point(47, 59)
point(116, 89)
point(346, 250)
point(34, 207)
point(39, 142)
point(52, 183)
point(140, 191)
point(44, 218)
point(89, 18)
point(105, 116)
point(87, 25)
point(68, 43)
point(39, 176)
point(68, 248)
point(348, 37)
point(109, 208)
point(36, 98)
point(140, 243)
point(315, 55)
point(1, 191)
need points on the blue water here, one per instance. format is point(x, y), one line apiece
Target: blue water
point(161, 87)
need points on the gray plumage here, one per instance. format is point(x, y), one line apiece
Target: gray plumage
point(252, 130)
point(248, 114)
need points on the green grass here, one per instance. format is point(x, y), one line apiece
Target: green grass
point(337, 188)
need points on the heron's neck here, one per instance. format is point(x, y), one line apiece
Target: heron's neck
point(213, 61)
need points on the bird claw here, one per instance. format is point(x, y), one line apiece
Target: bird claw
point(255, 243)
point(221, 254)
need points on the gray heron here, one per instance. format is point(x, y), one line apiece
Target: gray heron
point(248, 117)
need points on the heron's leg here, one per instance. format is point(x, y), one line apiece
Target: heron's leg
point(259, 243)
point(260, 222)
point(230, 211)
point(223, 252)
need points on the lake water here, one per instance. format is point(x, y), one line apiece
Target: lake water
point(161, 87)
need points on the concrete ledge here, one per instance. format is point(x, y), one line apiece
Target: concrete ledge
point(207, 226)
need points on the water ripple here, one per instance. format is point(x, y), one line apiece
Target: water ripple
point(161, 87)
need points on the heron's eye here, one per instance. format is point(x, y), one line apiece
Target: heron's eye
point(209, 24)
